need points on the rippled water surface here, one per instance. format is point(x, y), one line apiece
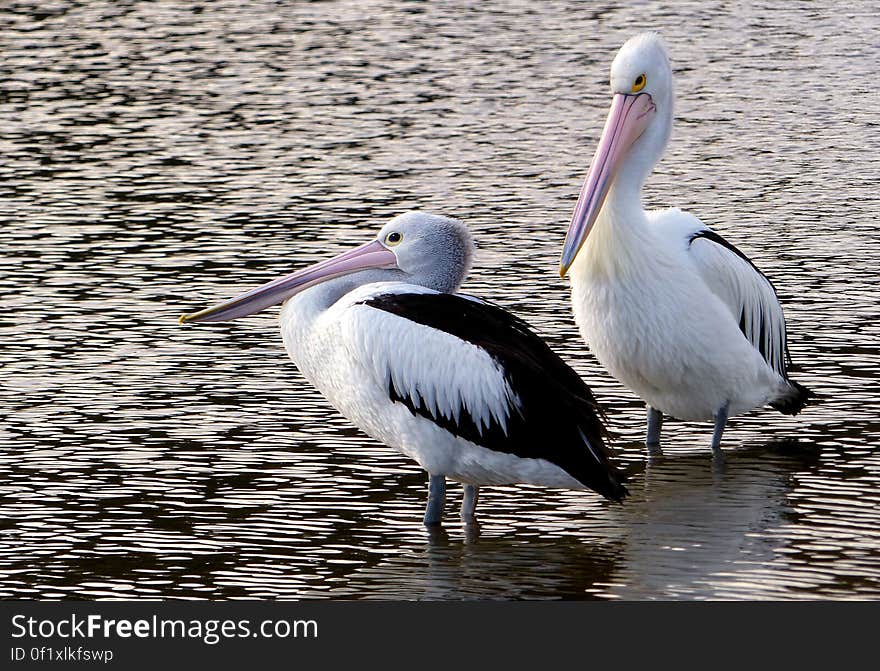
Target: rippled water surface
point(158, 156)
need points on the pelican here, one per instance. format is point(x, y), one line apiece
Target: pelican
point(454, 382)
point(670, 308)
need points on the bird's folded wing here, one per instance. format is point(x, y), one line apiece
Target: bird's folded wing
point(748, 293)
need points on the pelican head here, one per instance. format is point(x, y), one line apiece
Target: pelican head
point(415, 247)
point(634, 136)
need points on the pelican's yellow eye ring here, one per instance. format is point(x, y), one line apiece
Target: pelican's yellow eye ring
point(640, 82)
point(394, 238)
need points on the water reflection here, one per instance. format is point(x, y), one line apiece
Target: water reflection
point(490, 567)
point(700, 529)
point(153, 153)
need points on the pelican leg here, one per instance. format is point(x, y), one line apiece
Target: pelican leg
point(469, 502)
point(720, 423)
point(655, 423)
point(436, 498)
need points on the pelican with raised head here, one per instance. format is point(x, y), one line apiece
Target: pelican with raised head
point(670, 308)
point(456, 383)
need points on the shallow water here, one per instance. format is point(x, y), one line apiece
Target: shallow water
point(157, 157)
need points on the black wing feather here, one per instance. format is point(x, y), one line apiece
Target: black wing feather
point(558, 418)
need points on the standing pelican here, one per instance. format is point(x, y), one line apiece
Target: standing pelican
point(456, 383)
point(675, 312)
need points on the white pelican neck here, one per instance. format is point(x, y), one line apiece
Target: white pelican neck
point(618, 236)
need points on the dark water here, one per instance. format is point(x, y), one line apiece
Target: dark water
point(155, 157)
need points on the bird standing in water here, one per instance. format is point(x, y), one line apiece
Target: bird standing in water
point(458, 384)
point(671, 309)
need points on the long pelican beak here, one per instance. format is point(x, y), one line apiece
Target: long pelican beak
point(371, 255)
point(627, 120)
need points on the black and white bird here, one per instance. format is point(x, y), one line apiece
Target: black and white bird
point(458, 384)
point(675, 312)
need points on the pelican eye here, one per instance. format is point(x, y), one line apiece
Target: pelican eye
point(639, 83)
point(393, 238)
